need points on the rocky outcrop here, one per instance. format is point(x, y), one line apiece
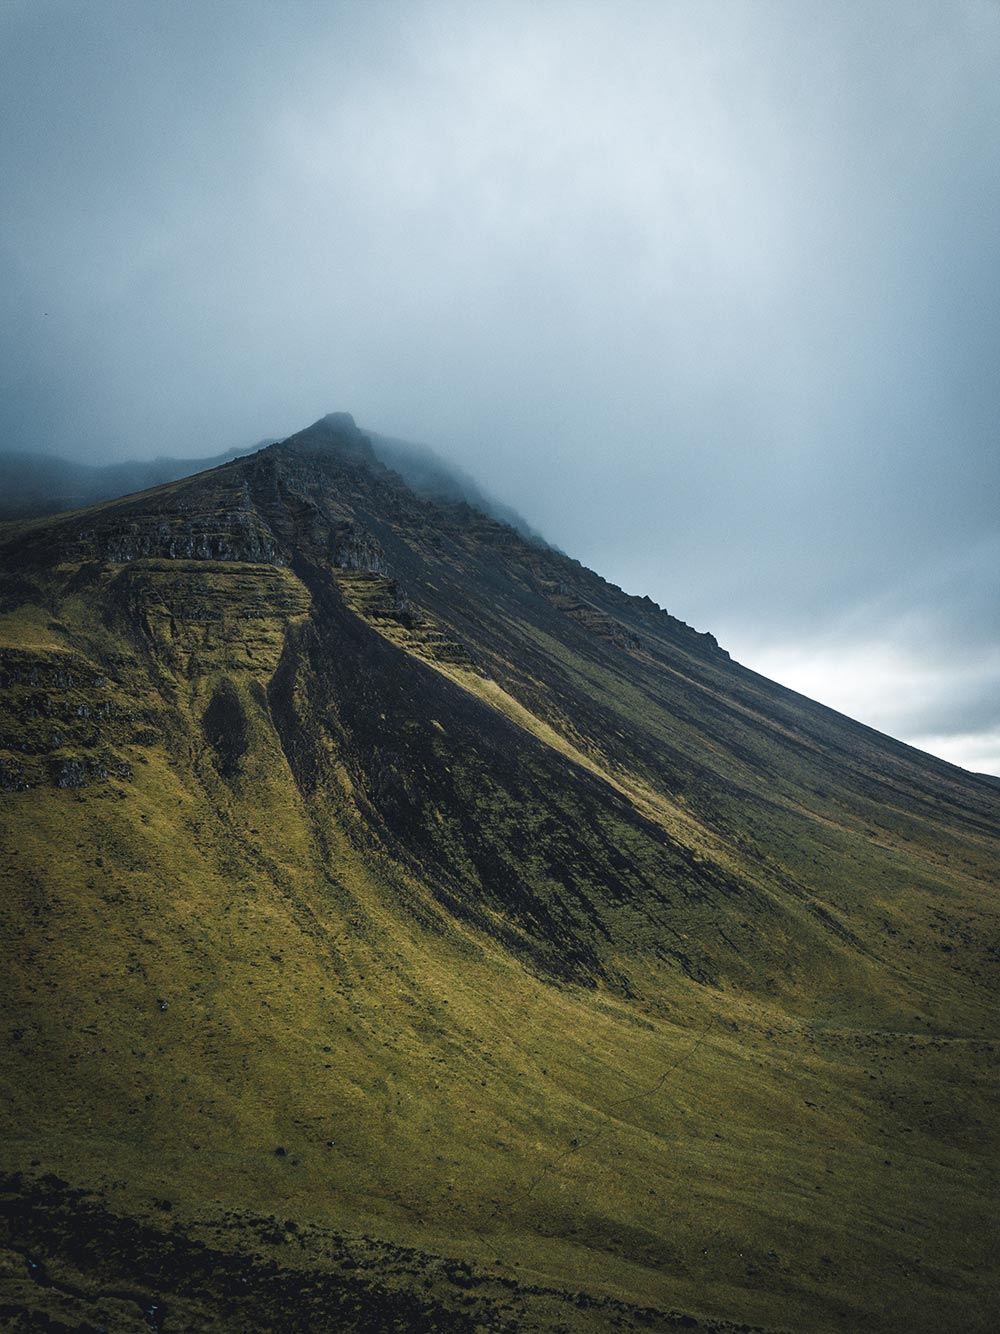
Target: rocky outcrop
point(351, 548)
point(61, 671)
point(13, 777)
point(235, 536)
point(78, 772)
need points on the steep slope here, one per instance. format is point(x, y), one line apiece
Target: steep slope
point(408, 929)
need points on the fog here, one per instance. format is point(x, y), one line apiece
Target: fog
point(708, 292)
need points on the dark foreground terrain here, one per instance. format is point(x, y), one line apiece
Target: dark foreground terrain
point(405, 929)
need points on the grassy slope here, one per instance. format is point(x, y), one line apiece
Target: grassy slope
point(537, 934)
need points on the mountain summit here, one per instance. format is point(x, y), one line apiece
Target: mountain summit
point(408, 929)
point(336, 429)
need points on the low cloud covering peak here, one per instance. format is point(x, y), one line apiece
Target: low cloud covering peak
point(709, 292)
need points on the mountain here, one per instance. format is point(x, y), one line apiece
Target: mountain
point(34, 484)
point(406, 929)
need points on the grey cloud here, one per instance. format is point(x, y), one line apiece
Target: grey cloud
point(707, 291)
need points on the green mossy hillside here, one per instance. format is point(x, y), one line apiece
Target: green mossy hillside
point(405, 929)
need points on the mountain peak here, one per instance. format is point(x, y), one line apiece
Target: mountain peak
point(338, 423)
point(337, 432)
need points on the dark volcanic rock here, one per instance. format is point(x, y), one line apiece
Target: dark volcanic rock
point(68, 773)
point(231, 537)
point(353, 549)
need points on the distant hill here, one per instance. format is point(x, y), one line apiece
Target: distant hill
point(35, 484)
point(406, 929)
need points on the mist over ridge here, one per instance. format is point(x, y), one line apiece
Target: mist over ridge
point(35, 484)
point(707, 293)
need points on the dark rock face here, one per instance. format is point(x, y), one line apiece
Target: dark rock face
point(68, 773)
point(20, 667)
point(231, 537)
point(12, 777)
point(354, 549)
point(72, 772)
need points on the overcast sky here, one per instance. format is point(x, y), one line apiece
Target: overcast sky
point(709, 291)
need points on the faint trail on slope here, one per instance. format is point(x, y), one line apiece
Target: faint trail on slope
point(614, 1108)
